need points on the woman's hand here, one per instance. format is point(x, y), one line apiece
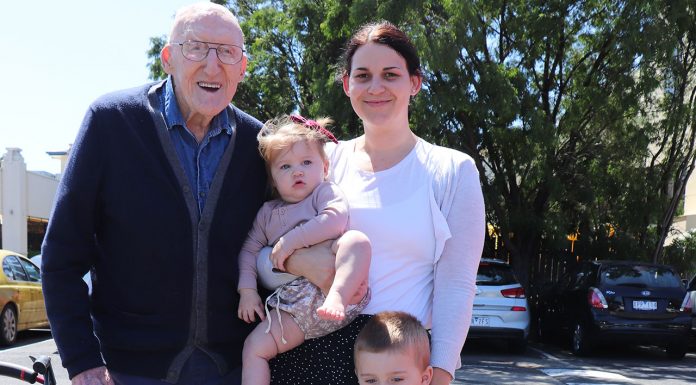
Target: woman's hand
point(316, 263)
point(441, 377)
point(250, 303)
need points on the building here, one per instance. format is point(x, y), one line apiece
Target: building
point(686, 222)
point(26, 198)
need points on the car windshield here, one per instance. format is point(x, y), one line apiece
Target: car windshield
point(494, 274)
point(639, 276)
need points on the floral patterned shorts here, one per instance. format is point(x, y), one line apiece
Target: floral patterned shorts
point(301, 299)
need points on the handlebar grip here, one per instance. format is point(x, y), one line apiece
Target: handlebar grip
point(42, 364)
point(18, 372)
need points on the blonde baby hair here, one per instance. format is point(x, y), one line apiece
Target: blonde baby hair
point(284, 131)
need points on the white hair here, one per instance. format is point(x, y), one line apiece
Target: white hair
point(189, 14)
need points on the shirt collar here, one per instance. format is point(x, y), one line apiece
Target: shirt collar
point(173, 117)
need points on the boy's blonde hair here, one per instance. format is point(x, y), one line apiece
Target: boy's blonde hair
point(394, 331)
point(284, 131)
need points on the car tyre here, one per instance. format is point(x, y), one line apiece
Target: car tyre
point(8, 325)
point(581, 343)
point(677, 350)
point(517, 346)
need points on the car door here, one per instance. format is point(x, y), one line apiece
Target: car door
point(34, 285)
point(572, 296)
point(578, 306)
point(692, 294)
point(22, 296)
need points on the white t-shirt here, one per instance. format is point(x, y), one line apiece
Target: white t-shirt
point(392, 208)
point(425, 219)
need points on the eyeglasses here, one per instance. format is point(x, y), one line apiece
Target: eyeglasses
point(198, 50)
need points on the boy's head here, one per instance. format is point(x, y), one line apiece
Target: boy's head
point(393, 347)
point(293, 149)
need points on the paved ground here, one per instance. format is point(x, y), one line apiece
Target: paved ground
point(485, 362)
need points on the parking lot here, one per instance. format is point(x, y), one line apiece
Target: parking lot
point(487, 362)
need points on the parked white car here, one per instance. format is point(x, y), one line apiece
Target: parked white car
point(691, 288)
point(87, 277)
point(500, 306)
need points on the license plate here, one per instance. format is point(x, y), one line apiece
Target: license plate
point(645, 305)
point(480, 321)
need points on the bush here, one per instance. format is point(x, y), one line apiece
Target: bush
point(681, 254)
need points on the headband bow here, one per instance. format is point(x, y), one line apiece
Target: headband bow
point(313, 125)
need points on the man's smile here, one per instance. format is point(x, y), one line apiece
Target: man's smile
point(210, 87)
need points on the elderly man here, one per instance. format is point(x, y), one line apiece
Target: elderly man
point(162, 186)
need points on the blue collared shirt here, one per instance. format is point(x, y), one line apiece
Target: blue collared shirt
point(199, 160)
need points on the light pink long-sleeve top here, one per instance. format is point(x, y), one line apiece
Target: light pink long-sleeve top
point(321, 216)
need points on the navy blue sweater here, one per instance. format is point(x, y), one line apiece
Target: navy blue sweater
point(165, 276)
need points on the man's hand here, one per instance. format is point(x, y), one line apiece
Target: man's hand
point(95, 376)
point(316, 263)
point(250, 303)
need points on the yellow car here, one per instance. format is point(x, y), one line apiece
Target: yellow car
point(21, 297)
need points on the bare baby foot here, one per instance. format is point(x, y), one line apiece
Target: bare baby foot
point(332, 309)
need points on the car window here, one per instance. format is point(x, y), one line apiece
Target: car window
point(7, 269)
point(15, 267)
point(32, 271)
point(494, 274)
point(585, 276)
point(639, 276)
point(692, 284)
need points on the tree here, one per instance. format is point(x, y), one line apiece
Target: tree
point(540, 93)
point(680, 254)
point(578, 113)
point(673, 156)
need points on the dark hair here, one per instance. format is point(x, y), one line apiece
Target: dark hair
point(381, 32)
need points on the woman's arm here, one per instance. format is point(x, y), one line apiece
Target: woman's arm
point(455, 272)
point(316, 263)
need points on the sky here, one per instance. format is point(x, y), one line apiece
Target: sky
point(57, 57)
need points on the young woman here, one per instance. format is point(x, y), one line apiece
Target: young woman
point(420, 205)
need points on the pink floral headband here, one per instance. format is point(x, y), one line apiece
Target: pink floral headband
point(313, 125)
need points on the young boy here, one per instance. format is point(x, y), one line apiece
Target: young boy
point(393, 347)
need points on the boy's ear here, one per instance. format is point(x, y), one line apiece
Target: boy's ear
point(427, 375)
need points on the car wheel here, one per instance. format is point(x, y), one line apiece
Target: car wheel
point(8, 325)
point(677, 350)
point(581, 343)
point(517, 346)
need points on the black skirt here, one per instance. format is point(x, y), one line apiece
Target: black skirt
point(320, 361)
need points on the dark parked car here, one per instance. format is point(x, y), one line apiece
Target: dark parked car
point(617, 302)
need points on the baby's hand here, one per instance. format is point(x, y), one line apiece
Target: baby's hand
point(280, 254)
point(250, 303)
